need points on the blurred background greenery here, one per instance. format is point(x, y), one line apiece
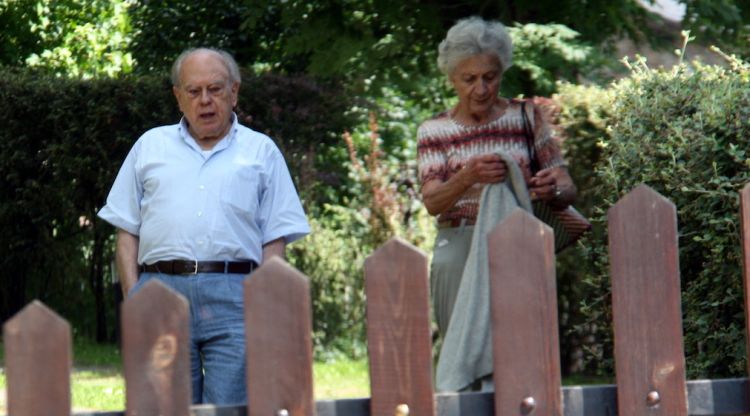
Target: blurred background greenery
point(342, 85)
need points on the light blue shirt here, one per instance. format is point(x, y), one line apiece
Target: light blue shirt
point(186, 203)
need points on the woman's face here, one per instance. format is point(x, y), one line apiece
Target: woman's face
point(476, 80)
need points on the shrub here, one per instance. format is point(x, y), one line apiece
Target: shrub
point(684, 133)
point(383, 203)
point(580, 119)
point(62, 143)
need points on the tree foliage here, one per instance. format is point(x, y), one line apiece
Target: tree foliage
point(80, 38)
point(723, 22)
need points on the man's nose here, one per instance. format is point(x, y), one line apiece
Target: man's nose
point(205, 97)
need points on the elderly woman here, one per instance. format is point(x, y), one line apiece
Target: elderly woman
point(457, 150)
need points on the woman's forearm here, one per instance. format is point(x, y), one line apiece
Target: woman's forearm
point(439, 196)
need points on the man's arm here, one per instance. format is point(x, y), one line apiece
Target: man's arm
point(126, 257)
point(276, 247)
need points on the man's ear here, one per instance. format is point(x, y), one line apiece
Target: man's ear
point(177, 95)
point(235, 93)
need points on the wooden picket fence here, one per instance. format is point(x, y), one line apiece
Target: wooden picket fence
point(650, 364)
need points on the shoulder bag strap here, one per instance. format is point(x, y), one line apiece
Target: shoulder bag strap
point(529, 133)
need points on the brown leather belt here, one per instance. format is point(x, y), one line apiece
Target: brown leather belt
point(456, 222)
point(195, 267)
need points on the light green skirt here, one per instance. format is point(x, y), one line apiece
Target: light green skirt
point(448, 260)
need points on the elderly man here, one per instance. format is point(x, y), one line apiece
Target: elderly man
point(198, 205)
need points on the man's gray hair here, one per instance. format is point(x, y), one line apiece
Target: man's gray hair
point(474, 36)
point(226, 58)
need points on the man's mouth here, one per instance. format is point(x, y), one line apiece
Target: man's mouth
point(206, 116)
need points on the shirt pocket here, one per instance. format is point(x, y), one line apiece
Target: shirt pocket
point(242, 190)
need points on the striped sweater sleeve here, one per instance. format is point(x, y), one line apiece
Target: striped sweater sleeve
point(432, 160)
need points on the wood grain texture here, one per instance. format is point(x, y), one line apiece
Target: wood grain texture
point(398, 330)
point(745, 225)
point(156, 352)
point(278, 319)
point(38, 362)
point(523, 298)
point(647, 315)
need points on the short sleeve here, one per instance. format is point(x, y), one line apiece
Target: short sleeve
point(123, 206)
point(546, 146)
point(432, 162)
point(281, 213)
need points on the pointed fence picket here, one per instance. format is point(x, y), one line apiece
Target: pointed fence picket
point(37, 362)
point(646, 316)
point(646, 311)
point(745, 228)
point(279, 341)
point(398, 331)
point(523, 297)
point(155, 352)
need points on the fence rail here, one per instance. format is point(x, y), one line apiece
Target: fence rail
point(649, 358)
point(705, 398)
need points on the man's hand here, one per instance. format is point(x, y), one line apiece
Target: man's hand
point(126, 259)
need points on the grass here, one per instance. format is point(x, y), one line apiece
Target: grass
point(97, 382)
point(341, 379)
point(98, 389)
point(582, 380)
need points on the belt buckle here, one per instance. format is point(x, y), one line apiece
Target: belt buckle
point(195, 268)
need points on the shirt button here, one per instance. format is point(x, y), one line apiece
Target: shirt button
point(201, 187)
point(200, 213)
point(200, 242)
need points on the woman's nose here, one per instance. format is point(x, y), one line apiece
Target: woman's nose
point(481, 87)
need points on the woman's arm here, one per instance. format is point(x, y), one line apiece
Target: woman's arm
point(438, 196)
point(553, 185)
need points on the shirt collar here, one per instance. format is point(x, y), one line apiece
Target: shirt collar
point(225, 141)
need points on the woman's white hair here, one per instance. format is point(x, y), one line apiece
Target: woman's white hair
point(474, 36)
point(226, 58)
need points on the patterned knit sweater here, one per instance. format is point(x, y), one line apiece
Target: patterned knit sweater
point(444, 146)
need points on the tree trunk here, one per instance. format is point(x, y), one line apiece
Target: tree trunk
point(96, 280)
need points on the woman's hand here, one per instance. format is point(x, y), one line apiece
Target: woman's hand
point(489, 168)
point(439, 196)
point(553, 185)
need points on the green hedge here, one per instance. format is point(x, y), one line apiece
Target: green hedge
point(582, 124)
point(61, 145)
point(684, 132)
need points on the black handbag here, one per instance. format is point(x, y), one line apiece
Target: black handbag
point(567, 223)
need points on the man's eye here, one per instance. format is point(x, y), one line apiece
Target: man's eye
point(192, 92)
point(215, 90)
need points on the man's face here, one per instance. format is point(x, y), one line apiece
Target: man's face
point(206, 96)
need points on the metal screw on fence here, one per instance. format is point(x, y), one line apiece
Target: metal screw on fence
point(653, 399)
point(528, 405)
point(402, 410)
